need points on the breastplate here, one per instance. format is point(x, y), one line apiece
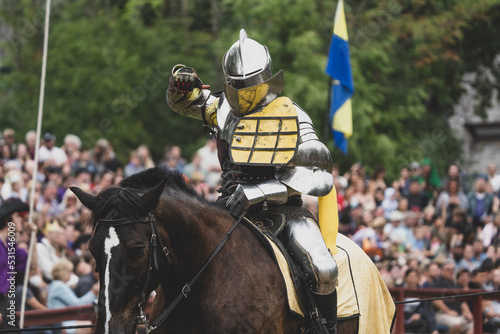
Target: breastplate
point(268, 137)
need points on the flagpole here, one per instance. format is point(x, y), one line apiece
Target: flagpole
point(35, 169)
point(327, 125)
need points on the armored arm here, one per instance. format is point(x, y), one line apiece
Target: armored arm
point(272, 191)
point(186, 96)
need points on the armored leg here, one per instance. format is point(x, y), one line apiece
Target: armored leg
point(304, 241)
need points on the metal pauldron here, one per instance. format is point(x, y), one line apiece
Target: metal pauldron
point(304, 242)
point(310, 171)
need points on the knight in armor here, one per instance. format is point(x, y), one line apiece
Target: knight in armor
point(269, 154)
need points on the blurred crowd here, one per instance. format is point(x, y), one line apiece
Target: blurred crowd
point(428, 228)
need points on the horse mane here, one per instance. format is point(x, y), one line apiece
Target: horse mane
point(151, 177)
point(124, 200)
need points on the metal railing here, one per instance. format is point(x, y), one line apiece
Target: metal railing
point(474, 295)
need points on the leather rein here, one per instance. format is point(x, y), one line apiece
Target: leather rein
point(153, 261)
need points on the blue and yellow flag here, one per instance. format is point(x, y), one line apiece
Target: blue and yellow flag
point(338, 68)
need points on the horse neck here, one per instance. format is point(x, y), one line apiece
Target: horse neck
point(194, 230)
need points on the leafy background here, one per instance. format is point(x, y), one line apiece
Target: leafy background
point(109, 63)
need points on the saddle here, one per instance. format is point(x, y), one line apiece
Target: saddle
point(267, 225)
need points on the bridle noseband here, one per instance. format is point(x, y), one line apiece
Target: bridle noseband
point(152, 257)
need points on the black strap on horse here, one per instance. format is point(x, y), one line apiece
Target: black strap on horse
point(187, 287)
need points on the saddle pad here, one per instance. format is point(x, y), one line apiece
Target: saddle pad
point(292, 297)
point(361, 290)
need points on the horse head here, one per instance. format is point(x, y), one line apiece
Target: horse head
point(124, 246)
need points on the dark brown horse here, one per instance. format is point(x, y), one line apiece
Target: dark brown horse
point(241, 290)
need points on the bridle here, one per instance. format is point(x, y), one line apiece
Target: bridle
point(152, 260)
point(152, 257)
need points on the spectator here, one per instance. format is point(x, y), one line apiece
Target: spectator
point(51, 249)
point(428, 215)
point(466, 262)
point(478, 278)
point(418, 316)
point(494, 312)
point(60, 294)
point(9, 139)
point(463, 279)
point(6, 154)
point(431, 271)
point(30, 141)
point(104, 157)
point(362, 195)
point(403, 183)
point(83, 175)
point(14, 186)
point(350, 218)
point(22, 155)
point(7, 210)
point(145, 156)
point(480, 204)
point(87, 281)
point(174, 160)
point(459, 224)
point(83, 161)
point(451, 198)
point(455, 173)
point(479, 255)
point(105, 181)
point(415, 170)
point(416, 198)
point(194, 169)
point(49, 154)
point(134, 165)
point(377, 181)
point(432, 181)
point(47, 203)
point(436, 249)
point(81, 244)
point(390, 203)
point(342, 181)
point(398, 233)
point(368, 237)
point(493, 177)
point(72, 145)
point(455, 315)
point(210, 162)
point(422, 240)
point(491, 232)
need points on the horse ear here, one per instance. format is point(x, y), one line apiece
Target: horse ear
point(87, 199)
point(151, 199)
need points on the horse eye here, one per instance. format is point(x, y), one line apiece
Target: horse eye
point(137, 251)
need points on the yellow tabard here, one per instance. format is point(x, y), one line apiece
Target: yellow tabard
point(268, 137)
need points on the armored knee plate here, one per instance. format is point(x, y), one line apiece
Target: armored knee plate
point(305, 243)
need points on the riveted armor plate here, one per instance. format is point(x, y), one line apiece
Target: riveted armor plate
point(268, 137)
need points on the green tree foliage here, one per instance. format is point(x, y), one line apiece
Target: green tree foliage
point(109, 63)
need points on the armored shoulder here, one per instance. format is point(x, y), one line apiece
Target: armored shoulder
point(311, 151)
point(310, 171)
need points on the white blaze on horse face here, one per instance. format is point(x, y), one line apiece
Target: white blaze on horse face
point(110, 242)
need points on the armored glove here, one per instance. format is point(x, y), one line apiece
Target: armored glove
point(184, 79)
point(271, 191)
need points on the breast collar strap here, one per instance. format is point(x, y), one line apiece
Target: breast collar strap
point(152, 257)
